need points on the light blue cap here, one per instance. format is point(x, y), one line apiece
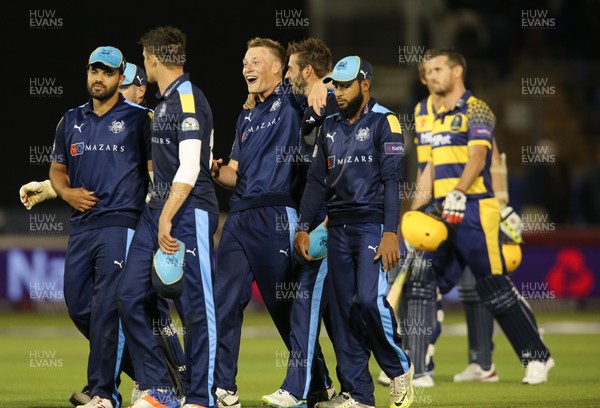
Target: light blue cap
point(350, 68)
point(134, 74)
point(109, 56)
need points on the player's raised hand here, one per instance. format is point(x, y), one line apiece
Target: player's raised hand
point(35, 192)
point(388, 251)
point(454, 206)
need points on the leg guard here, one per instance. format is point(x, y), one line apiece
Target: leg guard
point(514, 316)
point(480, 322)
point(418, 325)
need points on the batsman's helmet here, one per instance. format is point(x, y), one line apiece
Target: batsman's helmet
point(424, 232)
point(511, 251)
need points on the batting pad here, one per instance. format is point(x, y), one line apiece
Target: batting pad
point(167, 273)
point(318, 242)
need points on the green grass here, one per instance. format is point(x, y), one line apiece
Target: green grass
point(51, 340)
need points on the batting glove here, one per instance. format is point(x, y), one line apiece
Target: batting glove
point(454, 207)
point(35, 192)
point(511, 224)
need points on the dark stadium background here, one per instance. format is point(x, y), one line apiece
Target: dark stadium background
point(510, 46)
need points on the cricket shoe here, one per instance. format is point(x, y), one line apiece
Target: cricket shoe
point(228, 399)
point(537, 371)
point(81, 398)
point(157, 398)
point(342, 400)
point(474, 373)
point(135, 392)
point(316, 396)
point(402, 392)
point(383, 379)
point(423, 381)
point(282, 399)
point(98, 402)
point(332, 402)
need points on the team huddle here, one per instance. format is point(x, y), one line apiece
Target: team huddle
point(316, 172)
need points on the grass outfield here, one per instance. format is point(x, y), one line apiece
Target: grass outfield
point(43, 360)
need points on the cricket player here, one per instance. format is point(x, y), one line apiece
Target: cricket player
point(458, 173)
point(422, 296)
point(359, 169)
point(308, 63)
point(133, 88)
point(257, 237)
point(183, 207)
point(99, 167)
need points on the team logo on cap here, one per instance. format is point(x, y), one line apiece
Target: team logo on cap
point(117, 126)
point(342, 65)
point(363, 134)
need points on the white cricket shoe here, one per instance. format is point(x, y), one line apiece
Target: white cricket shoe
point(342, 400)
point(228, 399)
point(383, 379)
point(537, 371)
point(98, 402)
point(424, 381)
point(282, 399)
point(157, 397)
point(474, 373)
point(402, 392)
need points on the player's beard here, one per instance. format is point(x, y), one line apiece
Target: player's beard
point(103, 95)
point(298, 86)
point(352, 107)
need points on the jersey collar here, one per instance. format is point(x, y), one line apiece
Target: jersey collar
point(460, 103)
point(172, 86)
point(89, 106)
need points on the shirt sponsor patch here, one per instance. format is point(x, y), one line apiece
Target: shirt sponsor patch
point(331, 162)
point(480, 131)
point(77, 149)
point(190, 124)
point(394, 148)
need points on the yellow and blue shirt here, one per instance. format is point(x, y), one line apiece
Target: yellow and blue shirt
point(424, 117)
point(470, 122)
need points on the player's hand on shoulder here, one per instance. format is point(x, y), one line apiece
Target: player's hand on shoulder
point(317, 97)
point(250, 102)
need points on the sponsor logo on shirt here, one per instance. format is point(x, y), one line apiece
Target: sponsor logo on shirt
point(394, 148)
